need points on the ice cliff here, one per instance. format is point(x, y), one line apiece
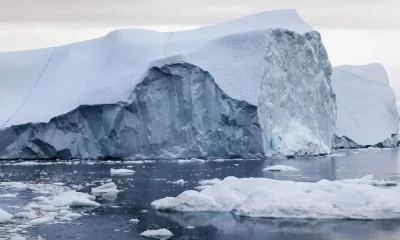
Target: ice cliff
point(244, 88)
point(367, 112)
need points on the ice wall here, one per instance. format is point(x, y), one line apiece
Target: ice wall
point(297, 108)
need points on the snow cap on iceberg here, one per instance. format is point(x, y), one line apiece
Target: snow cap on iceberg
point(105, 70)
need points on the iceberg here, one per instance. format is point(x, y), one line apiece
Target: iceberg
point(255, 86)
point(367, 112)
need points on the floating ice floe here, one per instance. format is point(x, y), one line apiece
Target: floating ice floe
point(107, 191)
point(158, 234)
point(5, 217)
point(8, 195)
point(121, 171)
point(369, 179)
point(134, 220)
point(14, 185)
point(261, 197)
point(138, 161)
point(37, 163)
point(279, 168)
point(192, 160)
point(110, 187)
point(49, 203)
point(179, 182)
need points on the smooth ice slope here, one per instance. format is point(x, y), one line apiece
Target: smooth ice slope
point(262, 197)
point(145, 94)
point(367, 112)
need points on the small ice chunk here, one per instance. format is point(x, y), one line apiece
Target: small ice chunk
point(179, 182)
point(278, 168)
point(369, 180)
point(158, 234)
point(190, 227)
point(31, 163)
point(144, 211)
point(192, 160)
point(18, 237)
point(72, 199)
point(26, 214)
point(18, 186)
point(134, 220)
point(5, 217)
point(41, 220)
point(110, 187)
point(121, 171)
point(8, 195)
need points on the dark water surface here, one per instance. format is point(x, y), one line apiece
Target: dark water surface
point(150, 182)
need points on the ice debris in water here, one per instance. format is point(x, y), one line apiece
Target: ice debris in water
point(158, 234)
point(8, 195)
point(279, 168)
point(369, 179)
point(50, 203)
point(107, 191)
point(110, 187)
point(5, 217)
point(262, 197)
point(134, 220)
point(179, 182)
point(192, 160)
point(121, 171)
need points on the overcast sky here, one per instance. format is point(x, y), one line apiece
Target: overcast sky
point(354, 31)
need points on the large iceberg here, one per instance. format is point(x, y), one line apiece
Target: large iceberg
point(367, 112)
point(228, 90)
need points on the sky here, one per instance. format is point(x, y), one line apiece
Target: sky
point(353, 31)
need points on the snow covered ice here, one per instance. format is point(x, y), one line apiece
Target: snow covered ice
point(158, 234)
point(5, 216)
point(121, 171)
point(179, 182)
point(232, 73)
point(279, 168)
point(134, 220)
point(261, 197)
point(47, 204)
point(367, 111)
point(110, 187)
point(107, 191)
